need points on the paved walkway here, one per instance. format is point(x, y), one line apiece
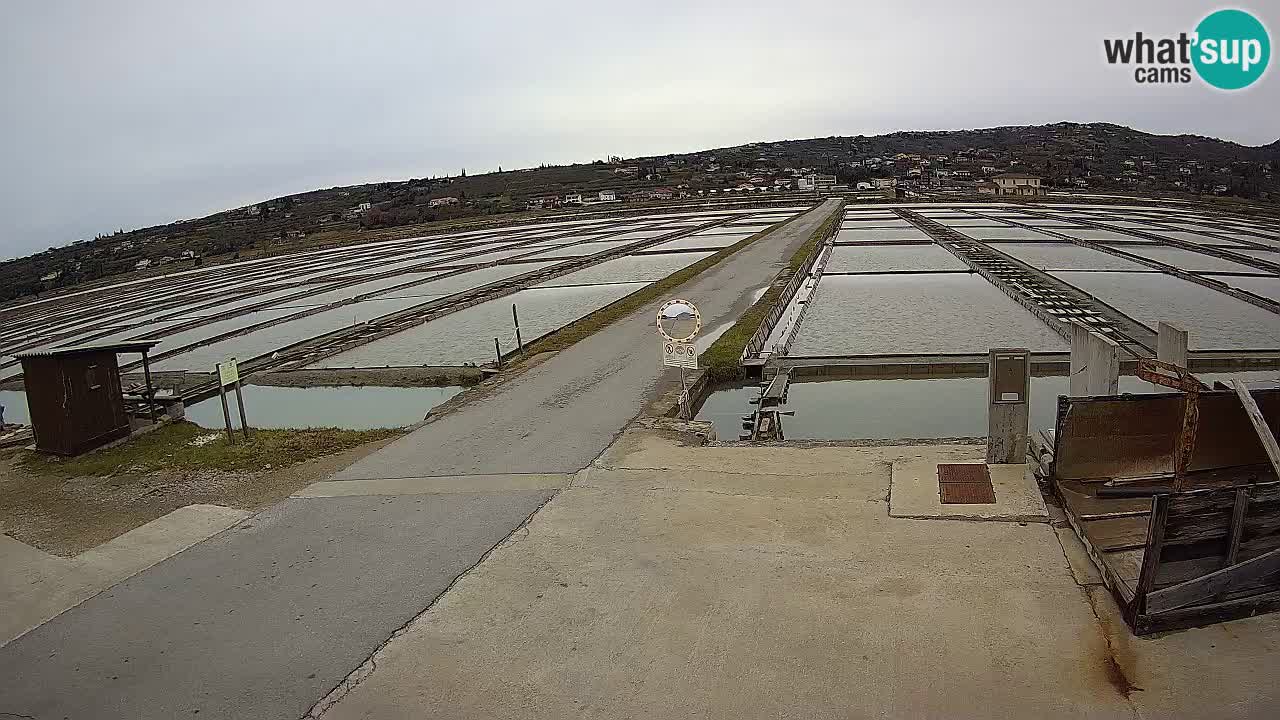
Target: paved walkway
point(265, 619)
point(675, 582)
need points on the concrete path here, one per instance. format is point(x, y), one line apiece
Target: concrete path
point(262, 620)
point(36, 586)
point(674, 582)
point(267, 618)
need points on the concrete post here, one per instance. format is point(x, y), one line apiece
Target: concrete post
point(1079, 359)
point(1008, 400)
point(1171, 345)
point(1095, 363)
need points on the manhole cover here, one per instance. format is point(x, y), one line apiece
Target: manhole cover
point(966, 473)
point(965, 484)
point(962, 493)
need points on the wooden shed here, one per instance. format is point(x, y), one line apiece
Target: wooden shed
point(74, 395)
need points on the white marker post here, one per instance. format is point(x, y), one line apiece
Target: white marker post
point(678, 323)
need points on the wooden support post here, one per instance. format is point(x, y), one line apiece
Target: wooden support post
point(226, 411)
point(244, 423)
point(497, 352)
point(1150, 556)
point(516, 319)
point(1265, 436)
point(151, 391)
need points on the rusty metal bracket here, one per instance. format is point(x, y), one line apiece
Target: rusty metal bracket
point(1168, 374)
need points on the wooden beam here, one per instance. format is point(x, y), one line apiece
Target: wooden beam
point(1213, 584)
point(1260, 426)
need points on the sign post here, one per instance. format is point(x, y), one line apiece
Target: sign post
point(229, 374)
point(678, 323)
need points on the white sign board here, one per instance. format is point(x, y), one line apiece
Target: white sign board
point(228, 372)
point(679, 354)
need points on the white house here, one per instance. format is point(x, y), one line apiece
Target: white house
point(364, 207)
point(142, 264)
point(608, 195)
point(441, 202)
point(573, 199)
point(1018, 184)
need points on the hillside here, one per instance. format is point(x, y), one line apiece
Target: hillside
point(1096, 156)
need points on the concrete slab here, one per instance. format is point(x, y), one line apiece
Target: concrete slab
point(25, 566)
point(1222, 671)
point(914, 494)
point(438, 484)
point(259, 621)
point(634, 597)
point(1082, 567)
point(750, 590)
point(48, 585)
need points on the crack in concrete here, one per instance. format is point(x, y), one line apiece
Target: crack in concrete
point(367, 668)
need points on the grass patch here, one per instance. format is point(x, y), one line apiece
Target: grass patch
point(723, 360)
point(618, 309)
point(170, 447)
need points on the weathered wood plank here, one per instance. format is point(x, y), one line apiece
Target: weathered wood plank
point(1208, 586)
point(1265, 436)
point(1201, 615)
point(1151, 556)
point(1117, 533)
point(1237, 526)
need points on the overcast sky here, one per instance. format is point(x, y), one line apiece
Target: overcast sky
point(127, 114)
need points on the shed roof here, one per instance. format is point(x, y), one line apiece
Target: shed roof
point(135, 346)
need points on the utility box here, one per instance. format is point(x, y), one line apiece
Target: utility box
point(1009, 394)
point(74, 396)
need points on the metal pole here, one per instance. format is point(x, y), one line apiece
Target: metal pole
point(516, 319)
point(244, 424)
point(497, 352)
point(151, 392)
point(684, 397)
point(226, 411)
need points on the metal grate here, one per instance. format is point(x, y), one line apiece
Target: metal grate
point(965, 484)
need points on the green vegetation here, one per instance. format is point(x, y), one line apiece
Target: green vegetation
point(723, 359)
point(623, 307)
point(178, 446)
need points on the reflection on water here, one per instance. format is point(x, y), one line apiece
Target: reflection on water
point(897, 409)
point(916, 314)
point(351, 408)
point(15, 407)
point(1215, 320)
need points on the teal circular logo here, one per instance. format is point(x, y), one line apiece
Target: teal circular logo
point(1232, 49)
